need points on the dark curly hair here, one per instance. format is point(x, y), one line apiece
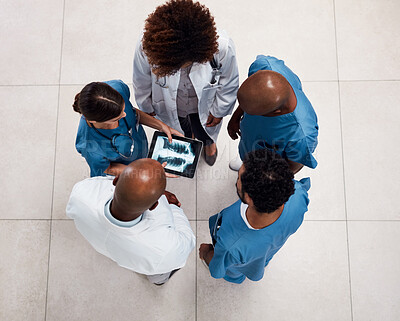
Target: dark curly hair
point(178, 32)
point(267, 179)
point(99, 102)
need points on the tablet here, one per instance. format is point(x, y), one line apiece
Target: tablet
point(182, 155)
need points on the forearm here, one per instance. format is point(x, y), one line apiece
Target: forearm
point(142, 80)
point(115, 169)
point(238, 113)
point(208, 257)
point(148, 120)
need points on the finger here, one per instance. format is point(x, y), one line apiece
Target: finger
point(213, 123)
point(209, 119)
point(232, 135)
point(168, 132)
point(177, 133)
point(164, 164)
point(171, 175)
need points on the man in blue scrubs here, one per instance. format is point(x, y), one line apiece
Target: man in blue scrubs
point(247, 234)
point(274, 113)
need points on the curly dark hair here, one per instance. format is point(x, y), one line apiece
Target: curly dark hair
point(178, 32)
point(267, 179)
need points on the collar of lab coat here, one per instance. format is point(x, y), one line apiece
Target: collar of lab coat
point(150, 219)
point(200, 75)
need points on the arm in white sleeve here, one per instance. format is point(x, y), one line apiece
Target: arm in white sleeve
point(183, 229)
point(229, 80)
point(182, 241)
point(142, 80)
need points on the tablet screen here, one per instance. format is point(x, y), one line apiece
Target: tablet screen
point(181, 155)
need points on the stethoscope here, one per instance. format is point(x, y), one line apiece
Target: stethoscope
point(114, 137)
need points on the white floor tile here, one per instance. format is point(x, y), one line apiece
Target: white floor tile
point(371, 150)
point(24, 250)
point(85, 285)
point(100, 38)
point(28, 144)
point(216, 187)
point(71, 167)
point(300, 32)
point(327, 187)
point(307, 279)
point(368, 39)
point(375, 270)
point(30, 36)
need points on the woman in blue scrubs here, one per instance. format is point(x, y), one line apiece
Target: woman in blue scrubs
point(110, 135)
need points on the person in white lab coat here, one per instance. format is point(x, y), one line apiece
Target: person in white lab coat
point(136, 223)
point(185, 72)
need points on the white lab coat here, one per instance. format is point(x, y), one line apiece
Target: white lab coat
point(218, 99)
point(159, 243)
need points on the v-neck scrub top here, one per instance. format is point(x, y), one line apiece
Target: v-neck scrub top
point(98, 151)
point(293, 135)
point(240, 251)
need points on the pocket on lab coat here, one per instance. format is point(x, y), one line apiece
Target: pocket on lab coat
point(209, 94)
point(159, 108)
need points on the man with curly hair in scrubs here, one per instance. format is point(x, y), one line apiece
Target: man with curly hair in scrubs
point(247, 234)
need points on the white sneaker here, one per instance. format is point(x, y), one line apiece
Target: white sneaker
point(235, 163)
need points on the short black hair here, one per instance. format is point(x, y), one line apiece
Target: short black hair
point(267, 179)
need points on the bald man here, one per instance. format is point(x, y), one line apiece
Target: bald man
point(133, 220)
point(274, 113)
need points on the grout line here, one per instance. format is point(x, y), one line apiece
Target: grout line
point(55, 157)
point(195, 263)
point(31, 85)
point(192, 220)
point(343, 162)
point(129, 83)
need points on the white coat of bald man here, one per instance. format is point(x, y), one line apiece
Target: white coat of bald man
point(133, 220)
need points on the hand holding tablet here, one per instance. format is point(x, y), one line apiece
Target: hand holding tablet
point(181, 156)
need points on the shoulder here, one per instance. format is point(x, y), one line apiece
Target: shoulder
point(235, 207)
point(226, 46)
point(90, 191)
point(119, 86)
point(300, 197)
point(93, 186)
point(162, 214)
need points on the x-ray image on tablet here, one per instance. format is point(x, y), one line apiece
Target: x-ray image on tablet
point(181, 155)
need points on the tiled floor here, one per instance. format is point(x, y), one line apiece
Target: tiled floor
point(342, 264)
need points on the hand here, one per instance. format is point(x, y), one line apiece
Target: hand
point(168, 174)
point(172, 199)
point(170, 131)
point(234, 127)
point(204, 250)
point(115, 169)
point(213, 121)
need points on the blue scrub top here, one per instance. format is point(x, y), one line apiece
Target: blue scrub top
point(242, 252)
point(293, 135)
point(98, 151)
